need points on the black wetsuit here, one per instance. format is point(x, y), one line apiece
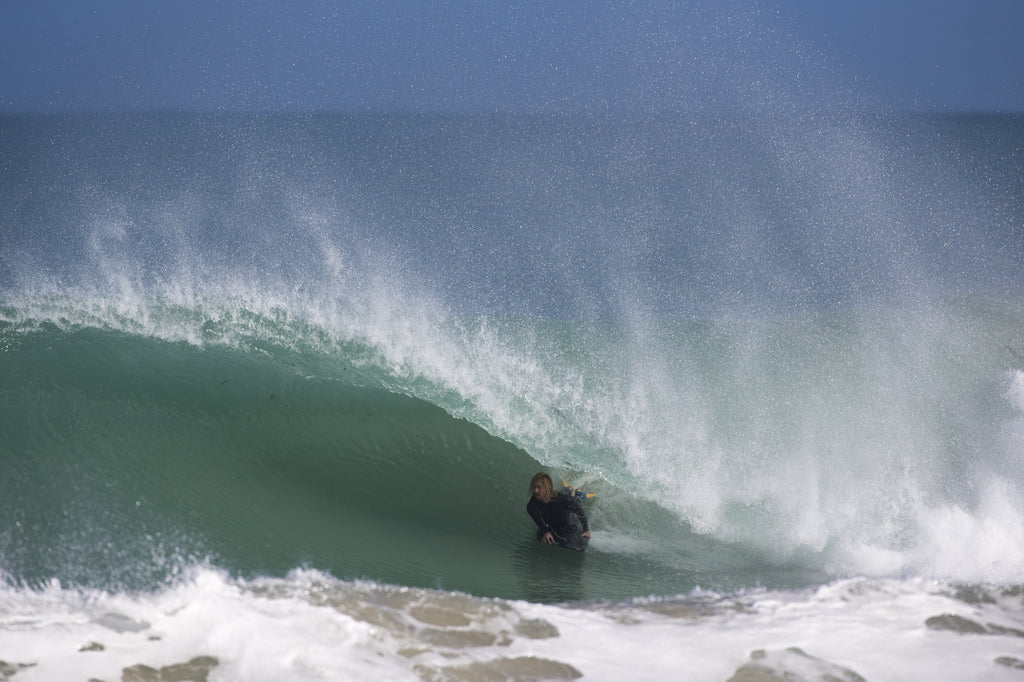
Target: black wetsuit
point(563, 517)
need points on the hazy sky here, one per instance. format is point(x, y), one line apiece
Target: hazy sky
point(535, 55)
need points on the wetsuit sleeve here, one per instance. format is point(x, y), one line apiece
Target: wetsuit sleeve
point(577, 508)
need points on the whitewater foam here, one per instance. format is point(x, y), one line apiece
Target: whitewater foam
point(309, 626)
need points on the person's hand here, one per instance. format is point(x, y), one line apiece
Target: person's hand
point(585, 534)
point(548, 539)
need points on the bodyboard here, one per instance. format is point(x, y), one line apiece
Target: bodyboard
point(576, 492)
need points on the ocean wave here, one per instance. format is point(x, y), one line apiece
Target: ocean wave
point(347, 342)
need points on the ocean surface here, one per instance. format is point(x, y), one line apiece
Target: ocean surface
point(272, 389)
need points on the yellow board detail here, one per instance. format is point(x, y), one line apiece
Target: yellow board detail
point(576, 492)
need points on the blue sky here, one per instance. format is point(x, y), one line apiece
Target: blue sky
point(457, 55)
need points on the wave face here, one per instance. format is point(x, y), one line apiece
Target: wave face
point(346, 343)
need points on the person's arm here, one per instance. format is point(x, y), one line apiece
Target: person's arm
point(577, 508)
point(538, 517)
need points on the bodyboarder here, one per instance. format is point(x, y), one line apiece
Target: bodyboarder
point(559, 517)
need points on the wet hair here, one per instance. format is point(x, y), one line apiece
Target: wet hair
point(544, 480)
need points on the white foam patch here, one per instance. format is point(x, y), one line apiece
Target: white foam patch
point(252, 638)
point(986, 543)
point(1015, 393)
point(981, 544)
point(310, 626)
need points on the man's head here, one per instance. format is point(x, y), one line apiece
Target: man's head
point(542, 487)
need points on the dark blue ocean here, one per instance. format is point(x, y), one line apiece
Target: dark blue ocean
point(272, 389)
